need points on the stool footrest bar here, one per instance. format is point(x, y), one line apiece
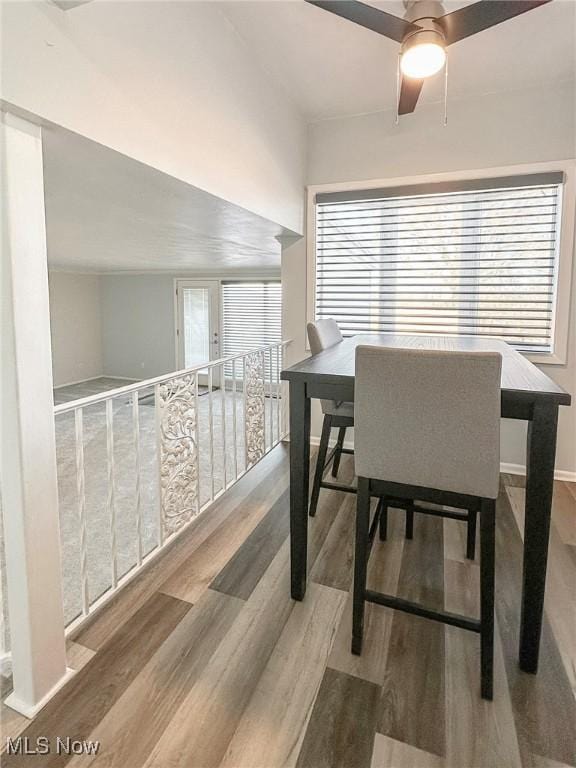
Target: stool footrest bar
point(410, 506)
point(454, 619)
point(338, 487)
point(441, 513)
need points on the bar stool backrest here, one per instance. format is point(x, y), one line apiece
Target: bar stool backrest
point(428, 418)
point(323, 334)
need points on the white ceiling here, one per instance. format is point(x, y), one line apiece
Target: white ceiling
point(330, 67)
point(106, 212)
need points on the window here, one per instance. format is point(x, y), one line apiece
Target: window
point(251, 315)
point(458, 258)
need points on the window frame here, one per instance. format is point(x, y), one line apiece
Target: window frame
point(566, 246)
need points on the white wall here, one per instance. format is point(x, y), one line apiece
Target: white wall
point(487, 131)
point(75, 327)
point(168, 83)
point(138, 325)
point(118, 325)
point(138, 320)
point(495, 130)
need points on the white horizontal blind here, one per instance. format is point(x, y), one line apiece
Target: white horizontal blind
point(251, 315)
point(465, 262)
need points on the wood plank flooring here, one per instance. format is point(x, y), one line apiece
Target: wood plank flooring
point(204, 661)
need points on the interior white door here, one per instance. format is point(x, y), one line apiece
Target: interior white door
point(198, 329)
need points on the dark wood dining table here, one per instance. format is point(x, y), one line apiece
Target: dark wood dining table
point(528, 394)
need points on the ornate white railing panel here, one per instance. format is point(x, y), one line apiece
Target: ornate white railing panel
point(254, 408)
point(137, 464)
point(177, 408)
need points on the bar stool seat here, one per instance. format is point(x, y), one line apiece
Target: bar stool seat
point(322, 335)
point(340, 410)
point(444, 410)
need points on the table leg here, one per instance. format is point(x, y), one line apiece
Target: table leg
point(299, 484)
point(540, 458)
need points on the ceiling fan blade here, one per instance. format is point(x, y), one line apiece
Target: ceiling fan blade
point(409, 92)
point(371, 18)
point(482, 15)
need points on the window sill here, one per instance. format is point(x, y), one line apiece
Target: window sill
point(546, 359)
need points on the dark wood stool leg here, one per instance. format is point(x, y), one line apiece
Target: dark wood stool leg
point(338, 454)
point(360, 562)
point(410, 522)
point(471, 534)
point(320, 462)
point(383, 525)
point(487, 565)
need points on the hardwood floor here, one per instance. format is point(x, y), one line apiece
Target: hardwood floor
point(206, 662)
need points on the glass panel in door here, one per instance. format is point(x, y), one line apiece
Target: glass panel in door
point(198, 324)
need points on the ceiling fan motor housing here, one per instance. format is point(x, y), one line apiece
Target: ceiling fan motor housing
point(423, 13)
point(430, 33)
point(423, 9)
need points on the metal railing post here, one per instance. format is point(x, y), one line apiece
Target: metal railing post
point(138, 471)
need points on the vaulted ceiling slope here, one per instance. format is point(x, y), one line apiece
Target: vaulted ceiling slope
point(107, 213)
point(331, 67)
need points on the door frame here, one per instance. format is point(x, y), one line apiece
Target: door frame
point(214, 321)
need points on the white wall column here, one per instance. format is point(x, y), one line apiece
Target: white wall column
point(293, 277)
point(28, 456)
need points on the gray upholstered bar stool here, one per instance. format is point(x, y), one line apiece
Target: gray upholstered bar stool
point(322, 335)
point(444, 408)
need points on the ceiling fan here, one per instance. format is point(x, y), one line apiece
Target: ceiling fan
point(425, 32)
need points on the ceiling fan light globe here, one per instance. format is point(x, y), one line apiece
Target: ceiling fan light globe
point(423, 60)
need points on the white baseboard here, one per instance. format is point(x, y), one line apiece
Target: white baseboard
point(80, 381)
point(93, 378)
point(316, 441)
point(567, 477)
point(514, 469)
point(520, 469)
point(509, 469)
